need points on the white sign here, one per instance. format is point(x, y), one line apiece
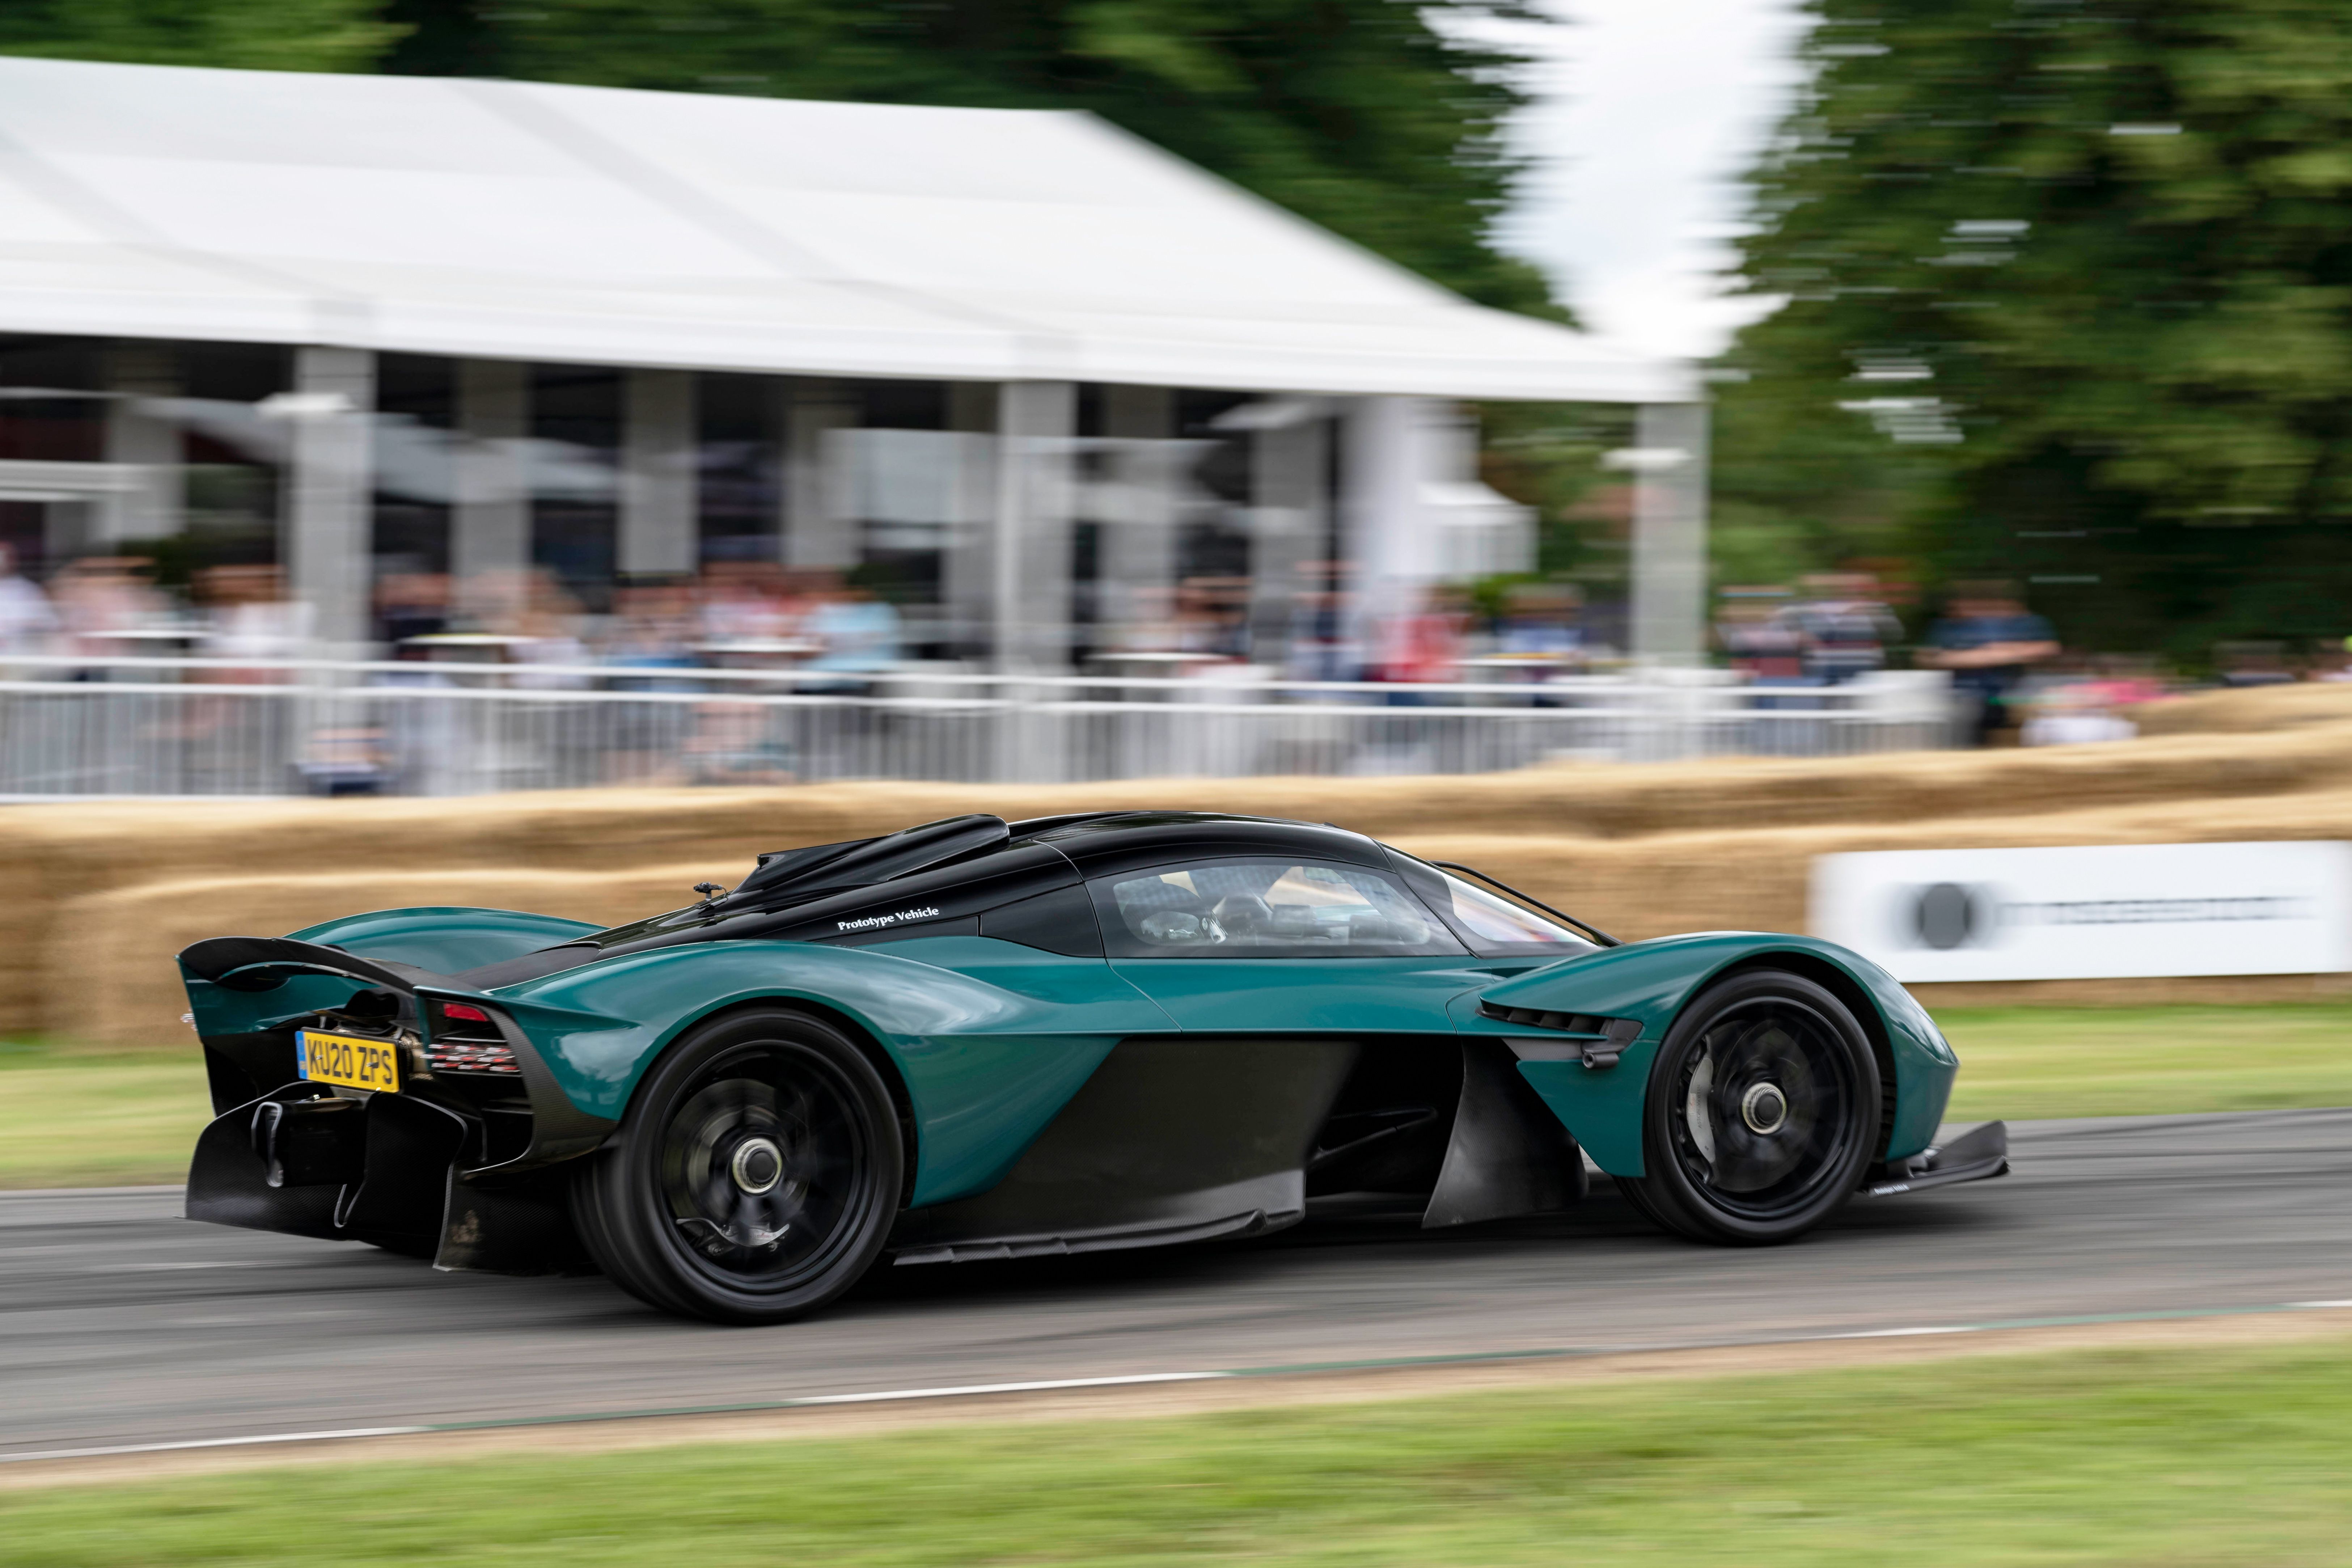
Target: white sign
point(2121, 911)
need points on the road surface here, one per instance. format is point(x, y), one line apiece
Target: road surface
point(122, 1323)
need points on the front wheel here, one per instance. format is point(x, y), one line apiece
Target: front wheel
point(756, 1176)
point(1762, 1112)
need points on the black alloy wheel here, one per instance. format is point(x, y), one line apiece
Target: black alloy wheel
point(756, 1176)
point(1763, 1113)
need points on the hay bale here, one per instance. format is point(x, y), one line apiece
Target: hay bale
point(1759, 880)
point(1641, 850)
point(2247, 710)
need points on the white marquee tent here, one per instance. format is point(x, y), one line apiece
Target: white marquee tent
point(510, 221)
point(523, 220)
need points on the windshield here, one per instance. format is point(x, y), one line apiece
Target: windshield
point(1495, 921)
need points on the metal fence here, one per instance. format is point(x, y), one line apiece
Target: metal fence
point(222, 727)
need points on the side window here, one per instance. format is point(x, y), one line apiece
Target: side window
point(1265, 909)
point(1060, 921)
point(1494, 927)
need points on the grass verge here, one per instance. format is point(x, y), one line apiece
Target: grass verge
point(2023, 1062)
point(2143, 1457)
point(70, 1118)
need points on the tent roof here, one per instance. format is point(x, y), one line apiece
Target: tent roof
point(517, 220)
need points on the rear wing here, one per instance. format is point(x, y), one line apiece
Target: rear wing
point(265, 963)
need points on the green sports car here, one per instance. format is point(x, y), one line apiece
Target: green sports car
point(982, 1039)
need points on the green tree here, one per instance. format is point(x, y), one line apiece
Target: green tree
point(257, 34)
point(1373, 117)
point(2070, 299)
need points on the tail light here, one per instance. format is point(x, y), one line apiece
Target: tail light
point(471, 1055)
point(466, 1040)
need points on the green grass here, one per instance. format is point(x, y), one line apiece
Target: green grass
point(2148, 1458)
point(75, 1120)
point(68, 1118)
point(2023, 1062)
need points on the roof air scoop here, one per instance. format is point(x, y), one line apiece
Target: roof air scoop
point(792, 875)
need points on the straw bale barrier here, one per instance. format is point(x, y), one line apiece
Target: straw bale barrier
point(2249, 709)
point(101, 895)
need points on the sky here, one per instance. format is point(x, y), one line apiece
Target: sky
point(1646, 111)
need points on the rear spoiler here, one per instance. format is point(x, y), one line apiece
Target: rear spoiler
point(265, 963)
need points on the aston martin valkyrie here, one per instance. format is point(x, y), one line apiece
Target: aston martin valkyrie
point(981, 1040)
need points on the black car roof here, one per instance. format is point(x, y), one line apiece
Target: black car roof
point(1100, 843)
point(957, 858)
point(1091, 840)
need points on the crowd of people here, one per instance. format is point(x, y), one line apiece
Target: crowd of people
point(108, 608)
point(2011, 679)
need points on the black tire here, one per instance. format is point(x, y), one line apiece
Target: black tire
point(1630, 1189)
point(1763, 1113)
point(753, 1126)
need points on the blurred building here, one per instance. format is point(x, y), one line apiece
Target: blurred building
point(1018, 371)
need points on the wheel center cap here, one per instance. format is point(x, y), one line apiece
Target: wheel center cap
point(758, 1165)
point(1764, 1108)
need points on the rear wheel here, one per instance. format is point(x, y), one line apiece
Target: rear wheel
point(1762, 1111)
point(756, 1176)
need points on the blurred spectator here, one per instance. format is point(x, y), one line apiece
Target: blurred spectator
point(1424, 646)
point(652, 628)
point(1844, 625)
point(543, 620)
point(1212, 617)
point(1539, 624)
point(1989, 640)
point(412, 604)
point(1321, 646)
point(249, 615)
point(2078, 708)
point(27, 620)
point(101, 595)
point(745, 601)
point(858, 631)
point(1757, 638)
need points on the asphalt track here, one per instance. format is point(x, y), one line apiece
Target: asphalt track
point(122, 1324)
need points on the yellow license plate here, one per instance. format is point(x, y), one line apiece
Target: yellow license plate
point(348, 1061)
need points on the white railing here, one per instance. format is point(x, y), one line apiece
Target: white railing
point(192, 727)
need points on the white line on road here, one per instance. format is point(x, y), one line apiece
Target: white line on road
point(1045, 1385)
point(215, 1443)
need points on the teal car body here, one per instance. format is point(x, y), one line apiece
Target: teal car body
point(1069, 1009)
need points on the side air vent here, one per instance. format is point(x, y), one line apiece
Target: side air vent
point(1569, 1023)
point(1595, 1041)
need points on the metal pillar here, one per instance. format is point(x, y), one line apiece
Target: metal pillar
point(328, 542)
point(1381, 515)
point(659, 532)
point(1139, 544)
point(1290, 473)
point(1669, 465)
point(143, 443)
point(968, 572)
point(490, 525)
point(819, 532)
point(1036, 421)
